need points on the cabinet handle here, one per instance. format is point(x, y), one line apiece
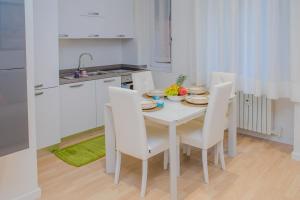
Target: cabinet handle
point(121, 35)
point(94, 13)
point(39, 93)
point(110, 80)
point(94, 35)
point(63, 35)
point(76, 86)
point(38, 86)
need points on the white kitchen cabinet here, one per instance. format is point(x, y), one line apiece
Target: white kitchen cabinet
point(78, 107)
point(123, 18)
point(102, 95)
point(47, 117)
point(96, 18)
point(82, 18)
point(46, 43)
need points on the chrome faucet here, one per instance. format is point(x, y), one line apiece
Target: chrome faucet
point(80, 57)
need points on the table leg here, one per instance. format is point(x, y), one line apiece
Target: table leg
point(110, 142)
point(173, 160)
point(232, 129)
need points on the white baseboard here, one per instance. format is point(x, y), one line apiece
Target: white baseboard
point(266, 137)
point(33, 195)
point(296, 156)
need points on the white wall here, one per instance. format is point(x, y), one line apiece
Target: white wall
point(18, 171)
point(295, 62)
point(296, 151)
point(104, 51)
point(136, 51)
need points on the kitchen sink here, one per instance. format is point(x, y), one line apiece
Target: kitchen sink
point(96, 73)
point(71, 76)
point(121, 70)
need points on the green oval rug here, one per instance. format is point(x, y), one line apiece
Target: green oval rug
point(82, 153)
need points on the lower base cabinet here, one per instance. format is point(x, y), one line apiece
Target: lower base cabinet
point(102, 95)
point(78, 107)
point(47, 117)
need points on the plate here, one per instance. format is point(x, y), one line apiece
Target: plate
point(158, 93)
point(148, 104)
point(176, 98)
point(197, 99)
point(197, 90)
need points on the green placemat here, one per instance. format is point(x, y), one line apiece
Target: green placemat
point(82, 153)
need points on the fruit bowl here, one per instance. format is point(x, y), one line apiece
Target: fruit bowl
point(176, 92)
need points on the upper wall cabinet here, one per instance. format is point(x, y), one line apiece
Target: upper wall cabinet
point(123, 18)
point(96, 19)
point(46, 44)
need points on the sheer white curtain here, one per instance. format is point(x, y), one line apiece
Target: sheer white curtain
point(254, 39)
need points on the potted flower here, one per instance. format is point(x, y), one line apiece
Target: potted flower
point(176, 92)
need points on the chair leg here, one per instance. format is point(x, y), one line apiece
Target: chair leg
point(144, 178)
point(118, 167)
point(188, 150)
point(184, 148)
point(178, 159)
point(205, 165)
point(166, 159)
point(216, 150)
point(221, 150)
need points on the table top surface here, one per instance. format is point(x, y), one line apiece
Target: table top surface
point(175, 112)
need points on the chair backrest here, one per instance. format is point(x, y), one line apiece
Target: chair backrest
point(222, 77)
point(143, 81)
point(215, 117)
point(129, 122)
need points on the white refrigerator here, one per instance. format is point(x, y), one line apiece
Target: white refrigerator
point(13, 84)
point(46, 50)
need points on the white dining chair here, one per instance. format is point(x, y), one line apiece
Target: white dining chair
point(223, 77)
point(215, 79)
point(143, 81)
point(212, 132)
point(133, 138)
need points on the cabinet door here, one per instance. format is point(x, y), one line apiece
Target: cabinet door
point(78, 107)
point(103, 95)
point(123, 18)
point(82, 18)
point(46, 43)
point(96, 18)
point(68, 17)
point(47, 117)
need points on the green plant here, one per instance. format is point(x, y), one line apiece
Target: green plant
point(180, 80)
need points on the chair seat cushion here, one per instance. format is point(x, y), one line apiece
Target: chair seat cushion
point(191, 133)
point(158, 139)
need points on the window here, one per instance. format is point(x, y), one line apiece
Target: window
point(161, 40)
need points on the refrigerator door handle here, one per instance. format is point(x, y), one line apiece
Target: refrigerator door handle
point(38, 86)
point(39, 93)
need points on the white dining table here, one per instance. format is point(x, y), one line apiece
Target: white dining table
point(173, 114)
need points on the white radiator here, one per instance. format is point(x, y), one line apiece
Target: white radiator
point(254, 113)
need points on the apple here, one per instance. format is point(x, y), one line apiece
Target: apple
point(182, 91)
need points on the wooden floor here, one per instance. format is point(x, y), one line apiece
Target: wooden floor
point(262, 170)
